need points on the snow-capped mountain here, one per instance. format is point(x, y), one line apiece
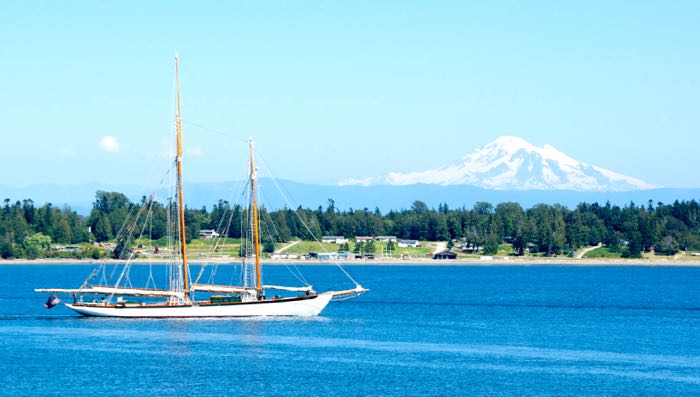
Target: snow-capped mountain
point(514, 164)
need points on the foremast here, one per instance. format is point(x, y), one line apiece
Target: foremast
point(181, 206)
point(256, 226)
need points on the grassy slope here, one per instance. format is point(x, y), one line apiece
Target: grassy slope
point(503, 250)
point(304, 247)
point(602, 252)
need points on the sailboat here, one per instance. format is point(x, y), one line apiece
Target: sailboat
point(179, 299)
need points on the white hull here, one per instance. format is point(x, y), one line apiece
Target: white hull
point(295, 307)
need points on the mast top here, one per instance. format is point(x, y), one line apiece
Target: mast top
point(251, 146)
point(181, 203)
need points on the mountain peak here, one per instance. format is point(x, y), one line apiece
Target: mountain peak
point(510, 162)
point(509, 144)
point(509, 141)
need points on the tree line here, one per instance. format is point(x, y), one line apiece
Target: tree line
point(27, 230)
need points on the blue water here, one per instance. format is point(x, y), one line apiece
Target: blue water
point(424, 331)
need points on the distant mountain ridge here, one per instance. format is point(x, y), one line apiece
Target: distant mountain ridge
point(511, 163)
point(384, 197)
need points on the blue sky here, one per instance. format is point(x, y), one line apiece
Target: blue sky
point(331, 90)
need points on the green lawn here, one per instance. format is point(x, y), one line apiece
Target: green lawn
point(199, 247)
point(203, 248)
point(602, 252)
point(503, 250)
point(304, 247)
point(426, 247)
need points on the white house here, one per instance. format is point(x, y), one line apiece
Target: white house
point(408, 243)
point(386, 239)
point(208, 234)
point(334, 239)
point(363, 239)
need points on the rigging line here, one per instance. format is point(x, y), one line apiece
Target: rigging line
point(103, 278)
point(258, 241)
point(242, 245)
point(192, 77)
point(125, 230)
point(230, 221)
point(150, 263)
point(127, 266)
point(220, 238)
point(217, 241)
point(300, 277)
point(243, 239)
point(214, 131)
point(125, 224)
point(228, 225)
point(92, 275)
point(274, 180)
point(148, 207)
point(142, 190)
point(247, 227)
point(121, 232)
point(168, 241)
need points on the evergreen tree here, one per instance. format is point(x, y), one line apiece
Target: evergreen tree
point(634, 246)
point(667, 246)
point(269, 246)
point(370, 248)
point(102, 228)
point(491, 245)
point(358, 248)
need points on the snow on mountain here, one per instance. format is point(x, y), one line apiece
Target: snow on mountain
point(511, 163)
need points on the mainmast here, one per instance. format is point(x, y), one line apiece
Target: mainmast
point(256, 227)
point(181, 205)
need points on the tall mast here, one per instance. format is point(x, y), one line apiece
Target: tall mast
point(181, 206)
point(256, 231)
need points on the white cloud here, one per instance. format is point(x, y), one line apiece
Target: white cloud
point(109, 143)
point(64, 151)
point(195, 152)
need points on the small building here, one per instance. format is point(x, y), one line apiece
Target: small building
point(363, 239)
point(208, 234)
point(329, 256)
point(386, 239)
point(334, 239)
point(468, 248)
point(408, 243)
point(65, 248)
point(445, 255)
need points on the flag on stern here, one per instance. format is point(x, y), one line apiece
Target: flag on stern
point(52, 301)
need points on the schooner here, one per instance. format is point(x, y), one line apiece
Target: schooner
point(179, 299)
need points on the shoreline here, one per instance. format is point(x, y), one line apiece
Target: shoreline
point(383, 262)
